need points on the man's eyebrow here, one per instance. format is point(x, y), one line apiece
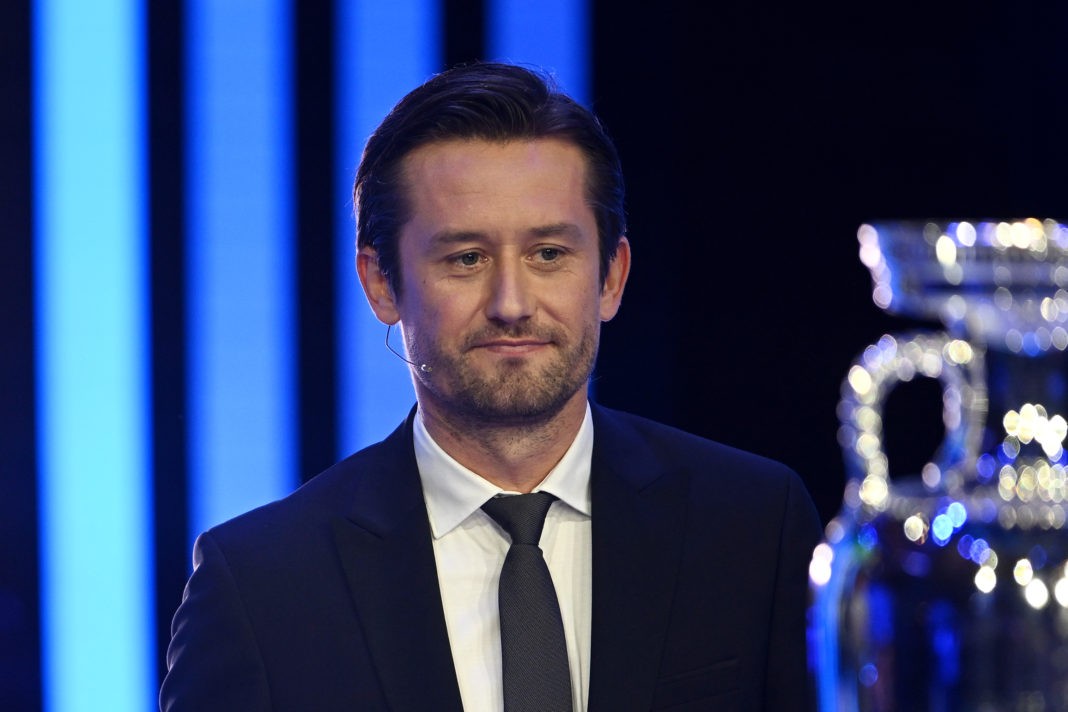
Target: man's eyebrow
point(451, 237)
point(557, 229)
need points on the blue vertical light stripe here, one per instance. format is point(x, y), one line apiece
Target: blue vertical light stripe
point(551, 34)
point(240, 267)
point(97, 615)
point(384, 49)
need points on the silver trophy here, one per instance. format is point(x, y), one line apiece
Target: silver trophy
point(947, 589)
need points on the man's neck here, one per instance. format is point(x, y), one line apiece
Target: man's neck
point(513, 456)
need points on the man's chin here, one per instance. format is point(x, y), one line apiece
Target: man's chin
point(514, 417)
point(508, 391)
point(504, 405)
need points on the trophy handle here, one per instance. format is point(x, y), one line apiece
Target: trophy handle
point(958, 366)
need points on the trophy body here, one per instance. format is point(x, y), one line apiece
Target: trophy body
point(948, 589)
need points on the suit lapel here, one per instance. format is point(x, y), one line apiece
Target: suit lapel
point(386, 551)
point(638, 517)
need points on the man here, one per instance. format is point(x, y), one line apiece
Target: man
point(490, 229)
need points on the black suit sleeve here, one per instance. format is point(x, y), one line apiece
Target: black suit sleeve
point(787, 684)
point(213, 660)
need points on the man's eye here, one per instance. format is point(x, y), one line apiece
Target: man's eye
point(548, 254)
point(468, 259)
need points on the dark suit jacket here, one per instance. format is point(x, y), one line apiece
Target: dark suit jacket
point(328, 599)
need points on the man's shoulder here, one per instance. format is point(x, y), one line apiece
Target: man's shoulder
point(679, 448)
point(329, 495)
point(717, 482)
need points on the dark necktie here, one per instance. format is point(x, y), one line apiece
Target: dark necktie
point(534, 655)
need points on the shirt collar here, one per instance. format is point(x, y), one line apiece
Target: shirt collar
point(453, 492)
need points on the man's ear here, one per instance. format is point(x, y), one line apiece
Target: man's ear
point(615, 280)
point(376, 286)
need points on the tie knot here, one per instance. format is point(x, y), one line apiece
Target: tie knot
point(521, 515)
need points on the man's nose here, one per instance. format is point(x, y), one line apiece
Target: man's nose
point(511, 298)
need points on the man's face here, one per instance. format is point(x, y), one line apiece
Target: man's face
point(501, 295)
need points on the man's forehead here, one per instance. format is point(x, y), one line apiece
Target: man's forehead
point(456, 154)
point(453, 184)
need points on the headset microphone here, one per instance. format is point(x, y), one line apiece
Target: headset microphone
point(425, 368)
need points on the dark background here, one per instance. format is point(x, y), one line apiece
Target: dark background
point(755, 138)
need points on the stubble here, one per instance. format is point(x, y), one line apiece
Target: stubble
point(513, 392)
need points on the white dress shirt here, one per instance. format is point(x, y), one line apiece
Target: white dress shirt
point(469, 548)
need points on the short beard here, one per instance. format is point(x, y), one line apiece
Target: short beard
point(513, 394)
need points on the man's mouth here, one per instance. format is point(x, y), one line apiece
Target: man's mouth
point(512, 347)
